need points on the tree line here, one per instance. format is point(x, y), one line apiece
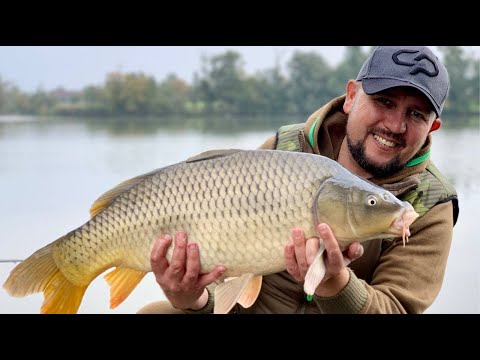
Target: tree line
point(222, 86)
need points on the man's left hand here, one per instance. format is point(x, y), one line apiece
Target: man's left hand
point(300, 253)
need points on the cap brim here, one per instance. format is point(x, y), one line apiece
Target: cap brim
point(372, 86)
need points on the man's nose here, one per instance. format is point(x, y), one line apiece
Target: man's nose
point(395, 122)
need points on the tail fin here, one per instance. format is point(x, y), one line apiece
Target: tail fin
point(39, 273)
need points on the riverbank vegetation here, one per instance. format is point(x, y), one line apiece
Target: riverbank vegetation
point(223, 88)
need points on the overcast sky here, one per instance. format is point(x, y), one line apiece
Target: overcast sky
point(74, 67)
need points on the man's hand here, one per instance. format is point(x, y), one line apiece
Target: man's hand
point(300, 253)
point(181, 280)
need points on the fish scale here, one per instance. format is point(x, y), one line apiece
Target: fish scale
point(239, 206)
point(259, 218)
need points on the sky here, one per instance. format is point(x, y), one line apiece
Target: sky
point(74, 67)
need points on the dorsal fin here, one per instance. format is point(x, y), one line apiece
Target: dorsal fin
point(106, 199)
point(212, 154)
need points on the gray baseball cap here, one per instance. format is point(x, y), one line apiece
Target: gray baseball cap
point(415, 66)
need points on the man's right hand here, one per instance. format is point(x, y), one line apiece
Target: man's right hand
point(181, 281)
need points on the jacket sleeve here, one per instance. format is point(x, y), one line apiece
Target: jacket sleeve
point(406, 279)
point(208, 308)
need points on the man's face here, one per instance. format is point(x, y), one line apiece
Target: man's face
point(385, 130)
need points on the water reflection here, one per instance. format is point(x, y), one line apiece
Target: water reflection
point(148, 125)
point(215, 124)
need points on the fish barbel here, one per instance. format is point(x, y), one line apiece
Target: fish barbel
point(238, 205)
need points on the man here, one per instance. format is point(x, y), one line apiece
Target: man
point(380, 130)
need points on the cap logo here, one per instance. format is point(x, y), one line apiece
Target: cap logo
point(417, 60)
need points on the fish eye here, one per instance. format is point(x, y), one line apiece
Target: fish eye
point(371, 200)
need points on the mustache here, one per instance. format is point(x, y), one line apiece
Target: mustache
point(396, 137)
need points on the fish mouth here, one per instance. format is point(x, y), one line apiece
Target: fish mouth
point(401, 225)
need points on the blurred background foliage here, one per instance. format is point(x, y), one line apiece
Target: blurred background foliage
point(222, 88)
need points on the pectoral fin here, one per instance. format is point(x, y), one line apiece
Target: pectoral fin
point(315, 272)
point(244, 290)
point(251, 292)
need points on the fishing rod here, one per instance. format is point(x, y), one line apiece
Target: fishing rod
point(10, 261)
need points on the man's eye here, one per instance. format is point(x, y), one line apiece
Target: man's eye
point(417, 115)
point(384, 101)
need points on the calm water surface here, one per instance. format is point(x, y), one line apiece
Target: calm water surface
point(51, 172)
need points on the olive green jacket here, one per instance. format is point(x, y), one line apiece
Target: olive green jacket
point(388, 278)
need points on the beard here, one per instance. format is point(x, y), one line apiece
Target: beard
point(377, 170)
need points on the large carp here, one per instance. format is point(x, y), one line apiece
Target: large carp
point(239, 206)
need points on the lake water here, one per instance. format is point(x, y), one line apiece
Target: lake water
point(52, 171)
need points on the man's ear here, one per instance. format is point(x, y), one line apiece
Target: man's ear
point(351, 94)
point(436, 125)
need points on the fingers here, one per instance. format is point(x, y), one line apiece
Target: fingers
point(312, 247)
point(193, 264)
point(184, 265)
point(157, 257)
point(180, 278)
point(207, 279)
point(355, 250)
point(298, 237)
point(299, 253)
point(179, 256)
point(334, 255)
point(291, 261)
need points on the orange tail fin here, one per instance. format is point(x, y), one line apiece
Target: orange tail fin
point(39, 273)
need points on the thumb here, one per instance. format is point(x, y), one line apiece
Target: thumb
point(355, 250)
point(207, 279)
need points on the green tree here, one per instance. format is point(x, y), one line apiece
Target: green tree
point(464, 85)
point(172, 96)
point(309, 76)
point(41, 103)
point(273, 90)
point(93, 95)
point(94, 101)
point(2, 96)
point(9, 97)
point(131, 93)
point(89, 102)
point(20, 102)
point(347, 69)
point(221, 83)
